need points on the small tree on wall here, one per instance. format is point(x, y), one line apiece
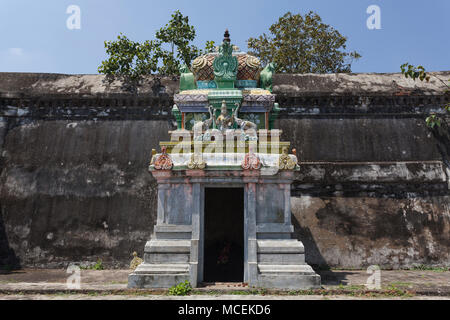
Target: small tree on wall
point(436, 122)
point(303, 44)
point(410, 71)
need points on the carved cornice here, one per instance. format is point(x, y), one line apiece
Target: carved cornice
point(159, 109)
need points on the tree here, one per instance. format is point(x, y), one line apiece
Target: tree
point(303, 44)
point(177, 34)
point(410, 71)
point(131, 60)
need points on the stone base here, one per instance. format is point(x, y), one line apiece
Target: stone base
point(278, 263)
point(166, 259)
point(158, 276)
point(281, 265)
point(271, 277)
point(150, 281)
point(293, 277)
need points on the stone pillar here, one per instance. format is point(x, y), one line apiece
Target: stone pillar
point(195, 271)
point(287, 204)
point(251, 260)
point(162, 188)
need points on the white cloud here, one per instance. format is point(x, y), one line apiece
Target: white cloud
point(16, 52)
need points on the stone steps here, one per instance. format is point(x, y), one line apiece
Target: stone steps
point(168, 246)
point(167, 251)
point(289, 281)
point(166, 263)
point(172, 232)
point(281, 258)
point(162, 269)
point(282, 269)
point(165, 258)
point(289, 246)
point(284, 252)
point(281, 264)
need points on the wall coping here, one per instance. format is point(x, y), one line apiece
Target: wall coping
point(64, 86)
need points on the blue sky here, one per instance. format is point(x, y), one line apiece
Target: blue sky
point(34, 36)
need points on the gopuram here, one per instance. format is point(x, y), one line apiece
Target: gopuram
point(224, 183)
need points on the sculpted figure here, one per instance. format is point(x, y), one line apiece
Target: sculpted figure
point(266, 76)
point(224, 121)
point(187, 80)
point(201, 126)
point(243, 124)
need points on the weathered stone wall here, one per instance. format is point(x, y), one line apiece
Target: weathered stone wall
point(74, 186)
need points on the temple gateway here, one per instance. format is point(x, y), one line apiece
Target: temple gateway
point(224, 183)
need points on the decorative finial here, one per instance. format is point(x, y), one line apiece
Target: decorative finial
point(153, 157)
point(135, 262)
point(226, 36)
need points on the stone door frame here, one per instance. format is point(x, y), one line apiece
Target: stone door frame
point(198, 229)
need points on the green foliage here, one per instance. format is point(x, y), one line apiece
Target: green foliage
point(303, 44)
point(166, 54)
point(414, 73)
point(181, 289)
point(410, 71)
point(423, 267)
point(97, 266)
point(209, 47)
point(433, 120)
point(129, 59)
point(177, 34)
point(393, 291)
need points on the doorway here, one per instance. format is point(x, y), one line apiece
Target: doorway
point(224, 235)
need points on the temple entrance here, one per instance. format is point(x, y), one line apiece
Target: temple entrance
point(224, 235)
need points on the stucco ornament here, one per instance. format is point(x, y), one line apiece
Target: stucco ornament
point(136, 261)
point(225, 65)
point(243, 124)
point(286, 162)
point(251, 162)
point(202, 126)
point(199, 63)
point(164, 161)
point(266, 77)
point(153, 157)
point(253, 62)
point(187, 80)
point(224, 121)
point(196, 162)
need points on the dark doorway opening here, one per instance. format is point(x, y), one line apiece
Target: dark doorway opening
point(224, 235)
